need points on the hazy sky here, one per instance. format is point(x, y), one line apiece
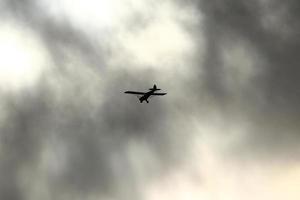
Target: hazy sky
point(228, 129)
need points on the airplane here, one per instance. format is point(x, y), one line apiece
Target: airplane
point(146, 95)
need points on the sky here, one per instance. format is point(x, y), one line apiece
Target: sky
point(228, 129)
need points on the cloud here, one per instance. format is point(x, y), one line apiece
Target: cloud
point(23, 57)
point(250, 69)
point(71, 133)
point(231, 77)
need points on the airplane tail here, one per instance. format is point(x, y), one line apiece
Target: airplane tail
point(154, 88)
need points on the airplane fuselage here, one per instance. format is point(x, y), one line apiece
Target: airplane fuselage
point(146, 96)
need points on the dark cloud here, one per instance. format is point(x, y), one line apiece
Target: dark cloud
point(273, 108)
point(230, 19)
point(96, 136)
point(21, 139)
point(91, 138)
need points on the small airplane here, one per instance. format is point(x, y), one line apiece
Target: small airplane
point(146, 95)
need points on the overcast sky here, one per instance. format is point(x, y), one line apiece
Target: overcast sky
point(228, 129)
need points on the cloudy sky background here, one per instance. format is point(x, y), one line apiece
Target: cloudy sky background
point(228, 129)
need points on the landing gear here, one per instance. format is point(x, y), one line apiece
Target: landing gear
point(139, 99)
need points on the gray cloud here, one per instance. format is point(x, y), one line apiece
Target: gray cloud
point(242, 19)
point(96, 126)
point(270, 98)
point(90, 139)
point(21, 139)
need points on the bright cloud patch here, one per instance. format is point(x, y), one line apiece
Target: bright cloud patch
point(89, 14)
point(140, 34)
point(22, 57)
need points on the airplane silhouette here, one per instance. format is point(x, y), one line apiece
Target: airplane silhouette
point(146, 95)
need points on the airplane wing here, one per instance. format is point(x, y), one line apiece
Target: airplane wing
point(133, 92)
point(159, 94)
